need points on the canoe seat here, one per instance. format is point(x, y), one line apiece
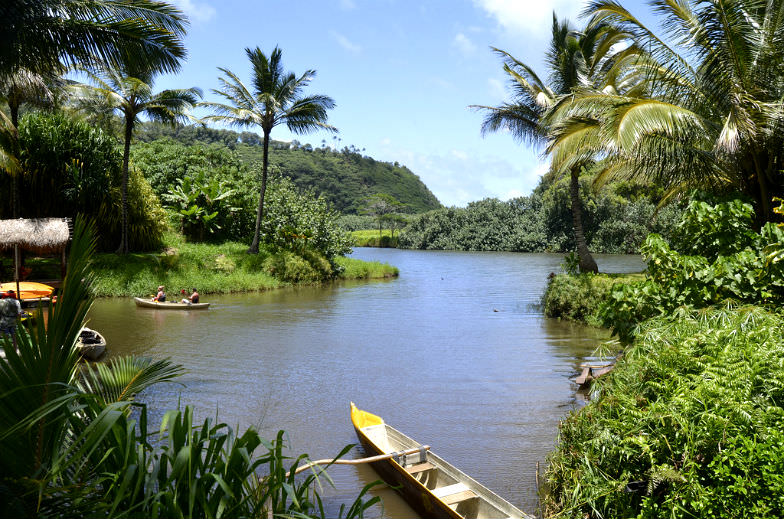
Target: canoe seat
point(419, 467)
point(456, 493)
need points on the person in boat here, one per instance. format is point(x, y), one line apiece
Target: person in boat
point(193, 298)
point(10, 310)
point(161, 295)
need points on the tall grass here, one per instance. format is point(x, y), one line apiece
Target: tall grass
point(690, 424)
point(372, 238)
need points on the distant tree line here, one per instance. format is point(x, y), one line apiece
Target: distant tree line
point(616, 220)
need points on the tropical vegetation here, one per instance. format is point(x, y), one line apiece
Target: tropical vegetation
point(128, 89)
point(275, 98)
point(571, 59)
point(616, 220)
point(76, 442)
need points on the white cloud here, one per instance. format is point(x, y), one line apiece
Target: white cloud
point(195, 10)
point(459, 176)
point(464, 44)
point(497, 89)
point(531, 17)
point(345, 43)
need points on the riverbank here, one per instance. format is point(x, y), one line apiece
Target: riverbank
point(223, 268)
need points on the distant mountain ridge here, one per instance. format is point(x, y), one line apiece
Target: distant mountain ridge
point(345, 178)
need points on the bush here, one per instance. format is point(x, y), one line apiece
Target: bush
point(578, 297)
point(739, 271)
point(147, 220)
point(292, 268)
point(300, 220)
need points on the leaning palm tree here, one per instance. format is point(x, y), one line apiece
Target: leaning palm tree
point(275, 98)
point(712, 116)
point(571, 58)
point(131, 94)
point(39, 36)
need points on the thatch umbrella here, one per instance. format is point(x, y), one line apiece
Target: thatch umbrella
point(41, 235)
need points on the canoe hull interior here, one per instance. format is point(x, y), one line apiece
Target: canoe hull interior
point(434, 488)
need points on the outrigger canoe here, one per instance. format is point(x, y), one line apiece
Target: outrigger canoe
point(146, 303)
point(432, 486)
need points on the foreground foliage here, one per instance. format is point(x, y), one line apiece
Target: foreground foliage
point(75, 443)
point(688, 425)
point(715, 255)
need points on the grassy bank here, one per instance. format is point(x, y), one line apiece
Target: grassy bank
point(371, 238)
point(577, 298)
point(222, 268)
point(690, 424)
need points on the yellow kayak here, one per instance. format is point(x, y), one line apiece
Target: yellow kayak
point(28, 289)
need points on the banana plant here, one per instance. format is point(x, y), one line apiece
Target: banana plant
point(198, 201)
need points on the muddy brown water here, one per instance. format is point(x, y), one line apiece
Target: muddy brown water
point(455, 353)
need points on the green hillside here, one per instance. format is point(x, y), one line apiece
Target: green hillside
point(345, 178)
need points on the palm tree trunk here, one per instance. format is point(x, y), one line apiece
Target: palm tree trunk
point(254, 246)
point(123, 248)
point(16, 194)
point(587, 263)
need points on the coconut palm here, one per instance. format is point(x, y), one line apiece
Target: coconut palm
point(712, 116)
point(39, 36)
point(131, 94)
point(571, 59)
point(26, 87)
point(274, 98)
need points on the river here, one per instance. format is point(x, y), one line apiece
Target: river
point(455, 353)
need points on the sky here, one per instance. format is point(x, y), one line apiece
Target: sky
point(403, 74)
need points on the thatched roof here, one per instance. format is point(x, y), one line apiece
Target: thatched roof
point(42, 235)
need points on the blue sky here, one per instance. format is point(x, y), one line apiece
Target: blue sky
point(402, 73)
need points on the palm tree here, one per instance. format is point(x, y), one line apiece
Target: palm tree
point(39, 36)
point(131, 95)
point(571, 59)
point(714, 120)
point(275, 98)
point(26, 87)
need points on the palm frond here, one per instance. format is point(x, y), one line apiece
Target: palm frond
point(122, 378)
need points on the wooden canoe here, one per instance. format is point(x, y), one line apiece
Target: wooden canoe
point(146, 303)
point(90, 344)
point(28, 290)
point(432, 486)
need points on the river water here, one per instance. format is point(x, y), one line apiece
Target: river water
point(455, 353)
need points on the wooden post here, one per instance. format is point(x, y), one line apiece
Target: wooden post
point(16, 271)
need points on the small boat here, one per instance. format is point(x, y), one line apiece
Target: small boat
point(432, 486)
point(591, 372)
point(147, 303)
point(90, 344)
point(29, 291)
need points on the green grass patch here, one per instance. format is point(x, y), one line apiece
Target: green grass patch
point(371, 238)
point(221, 268)
point(358, 269)
point(578, 297)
